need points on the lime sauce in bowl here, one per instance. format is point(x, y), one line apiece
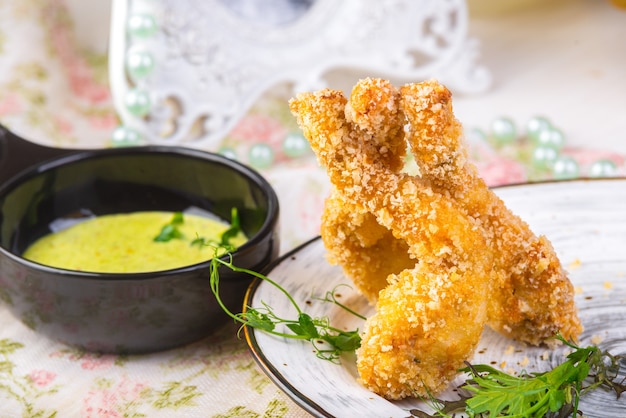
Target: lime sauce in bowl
point(127, 243)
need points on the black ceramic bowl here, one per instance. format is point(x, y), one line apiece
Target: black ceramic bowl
point(124, 313)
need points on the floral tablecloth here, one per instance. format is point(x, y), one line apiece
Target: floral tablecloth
point(56, 94)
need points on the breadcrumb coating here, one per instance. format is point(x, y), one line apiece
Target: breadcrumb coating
point(438, 254)
point(535, 299)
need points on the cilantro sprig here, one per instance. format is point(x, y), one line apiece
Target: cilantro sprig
point(328, 342)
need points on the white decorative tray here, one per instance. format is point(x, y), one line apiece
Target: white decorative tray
point(184, 71)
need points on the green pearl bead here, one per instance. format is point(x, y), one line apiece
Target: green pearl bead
point(551, 137)
point(295, 145)
point(603, 168)
point(139, 64)
point(544, 157)
point(125, 137)
point(535, 126)
point(228, 153)
point(503, 130)
point(141, 25)
point(138, 102)
point(261, 156)
point(565, 167)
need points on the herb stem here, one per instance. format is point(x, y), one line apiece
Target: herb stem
point(328, 342)
point(330, 297)
point(234, 268)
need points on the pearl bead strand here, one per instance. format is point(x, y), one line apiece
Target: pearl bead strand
point(541, 147)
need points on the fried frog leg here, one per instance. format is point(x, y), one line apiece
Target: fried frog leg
point(367, 251)
point(534, 298)
point(430, 316)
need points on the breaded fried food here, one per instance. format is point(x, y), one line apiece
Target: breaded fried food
point(355, 241)
point(431, 251)
point(351, 234)
point(534, 299)
point(430, 316)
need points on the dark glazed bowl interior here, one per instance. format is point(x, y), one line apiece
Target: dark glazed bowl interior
point(136, 312)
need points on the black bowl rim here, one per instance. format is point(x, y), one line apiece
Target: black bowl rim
point(210, 157)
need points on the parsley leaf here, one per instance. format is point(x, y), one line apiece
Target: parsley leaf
point(556, 393)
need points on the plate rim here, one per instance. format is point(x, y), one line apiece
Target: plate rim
point(268, 368)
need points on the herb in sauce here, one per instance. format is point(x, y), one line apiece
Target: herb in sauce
point(171, 230)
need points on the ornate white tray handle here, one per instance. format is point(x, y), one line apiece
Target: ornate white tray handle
point(184, 71)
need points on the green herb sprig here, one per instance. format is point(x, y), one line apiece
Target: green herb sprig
point(328, 342)
point(554, 394)
point(224, 242)
point(171, 229)
point(233, 231)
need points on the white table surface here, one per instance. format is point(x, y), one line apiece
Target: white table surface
point(565, 59)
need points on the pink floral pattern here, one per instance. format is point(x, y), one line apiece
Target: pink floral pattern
point(498, 172)
point(10, 105)
point(96, 362)
point(257, 128)
point(110, 399)
point(66, 99)
point(41, 378)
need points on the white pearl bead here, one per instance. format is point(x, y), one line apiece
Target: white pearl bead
point(124, 137)
point(295, 145)
point(141, 25)
point(139, 64)
point(261, 156)
point(551, 137)
point(228, 153)
point(535, 125)
point(138, 102)
point(544, 157)
point(503, 130)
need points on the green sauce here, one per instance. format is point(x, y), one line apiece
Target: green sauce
point(125, 243)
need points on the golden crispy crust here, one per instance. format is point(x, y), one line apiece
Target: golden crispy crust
point(535, 298)
point(439, 254)
point(355, 241)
